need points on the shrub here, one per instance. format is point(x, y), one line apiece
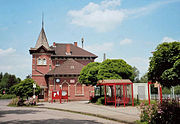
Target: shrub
point(7, 96)
point(165, 113)
point(14, 102)
point(100, 101)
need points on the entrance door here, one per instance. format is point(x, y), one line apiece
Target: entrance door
point(141, 92)
point(41, 94)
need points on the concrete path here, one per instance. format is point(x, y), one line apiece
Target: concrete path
point(29, 115)
point(127, 114)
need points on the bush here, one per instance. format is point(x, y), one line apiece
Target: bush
point(165, 113)
point(14, 102)
point(7, 96)
point(100, 101)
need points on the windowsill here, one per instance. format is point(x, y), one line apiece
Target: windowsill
point(42, 65)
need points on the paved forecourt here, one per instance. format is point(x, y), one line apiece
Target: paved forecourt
point(127, 114)
point(29, 115)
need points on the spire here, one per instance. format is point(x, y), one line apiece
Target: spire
point(42, 20)
point(42, 40)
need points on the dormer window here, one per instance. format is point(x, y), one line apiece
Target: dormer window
point(57, 63)
point(72, 67)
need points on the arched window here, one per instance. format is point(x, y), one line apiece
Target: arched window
point(44, 61)
point(39, 61)
point(79, 89)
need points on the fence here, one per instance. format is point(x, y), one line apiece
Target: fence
point(165, 96)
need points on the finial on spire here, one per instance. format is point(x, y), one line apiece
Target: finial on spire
point(42, 19)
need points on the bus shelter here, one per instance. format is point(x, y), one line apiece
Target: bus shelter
point(117, 91)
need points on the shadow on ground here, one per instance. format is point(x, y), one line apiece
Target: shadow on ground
point(4, 112)
point(51, 121)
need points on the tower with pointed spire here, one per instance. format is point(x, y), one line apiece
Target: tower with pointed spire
point(41, 60)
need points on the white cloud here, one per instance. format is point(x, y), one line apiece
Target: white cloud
point(168, 39)
point(14, 63)
point(102, 17)
point(106, 16)
point(125, 41)
point(7, 51)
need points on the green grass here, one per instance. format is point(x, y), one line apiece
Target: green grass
point(7, 96)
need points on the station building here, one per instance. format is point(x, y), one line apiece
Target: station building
point(58, 66)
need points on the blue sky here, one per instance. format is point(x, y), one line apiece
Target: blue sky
point(125, 29)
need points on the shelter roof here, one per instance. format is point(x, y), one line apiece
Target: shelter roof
point(114, 81)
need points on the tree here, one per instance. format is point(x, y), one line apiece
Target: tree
point(144, 78)
point(108, 69)
point(88, 74)
point(25, 88)
point(8, 80)
point(136, 75)
point(165, 64)
point(115, 69)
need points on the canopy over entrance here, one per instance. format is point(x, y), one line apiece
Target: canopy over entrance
point(117, 91)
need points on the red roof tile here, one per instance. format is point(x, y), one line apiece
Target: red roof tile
point(60, 50)
point(68, 67)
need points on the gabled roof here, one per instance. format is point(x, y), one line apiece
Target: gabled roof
point(69, 67)
point(42, 40)
point(60, 50)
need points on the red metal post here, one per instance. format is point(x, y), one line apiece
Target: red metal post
point(149, 93)
point(132, 95)
point(105, 93)
point(115, 94)
point(124, 95)
point(161, 94)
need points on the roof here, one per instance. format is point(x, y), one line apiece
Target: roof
point(114, 81)
point(42, 40)
point(60, 50)
point(69, 67)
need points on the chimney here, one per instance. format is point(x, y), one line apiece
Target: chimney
point(54, 44)
point(75, 43)
point(68, 49)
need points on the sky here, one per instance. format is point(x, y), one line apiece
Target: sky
point(123, 29)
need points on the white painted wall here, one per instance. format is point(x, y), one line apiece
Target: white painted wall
point(135, 90)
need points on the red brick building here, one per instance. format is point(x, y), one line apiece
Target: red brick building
point(58, 66)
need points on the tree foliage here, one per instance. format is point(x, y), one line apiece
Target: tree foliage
point(6, 81)
point(165, 64)
point(88, 74)
point(115, 69)
point(25, 88)
point(108, 69)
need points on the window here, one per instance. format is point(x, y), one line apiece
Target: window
point(39, 62)
point(72, 67)
point(50, 68)
point(44, 61)
point(57, 63)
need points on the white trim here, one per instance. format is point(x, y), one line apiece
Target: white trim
point(68, 86)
